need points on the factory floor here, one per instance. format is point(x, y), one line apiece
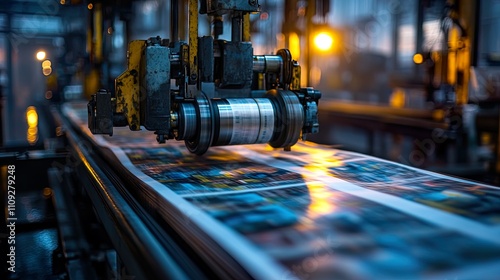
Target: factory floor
point(36, 237)
point(56, 232)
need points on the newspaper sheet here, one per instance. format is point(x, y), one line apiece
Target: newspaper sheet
point(318, 212)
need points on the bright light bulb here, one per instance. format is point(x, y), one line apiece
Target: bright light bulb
point(46, 63)
point(47, 71)
point(418, 58)
point(40, 55)
point(31, 116)
point(323, 41)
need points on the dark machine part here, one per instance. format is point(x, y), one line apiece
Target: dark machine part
point(220, 7)
point(213, 102)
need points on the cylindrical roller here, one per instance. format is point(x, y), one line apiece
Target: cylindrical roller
point(203, 138)
point(267, 63)
point(277, 119)
point(290, 118)
point(242, 121)
point(186, 126)
point(267, 120)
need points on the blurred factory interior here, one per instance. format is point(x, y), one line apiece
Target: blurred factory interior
point(415, 82)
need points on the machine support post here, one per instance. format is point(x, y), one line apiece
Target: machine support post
point(236, 24)
point(246, 27)
point(193, 41)
point(174, 20)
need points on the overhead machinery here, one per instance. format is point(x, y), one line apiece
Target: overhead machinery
point(209, 91)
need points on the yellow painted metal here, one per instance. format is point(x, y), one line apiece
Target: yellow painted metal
point(295, 84)
point(193, 41)
point(127, 86)
point(463, 65)
point(91, 82)
point(92, 78)
point(294, 45)
point(246, 27)
point(88, 43)
point(469, 15)
point(98, 32)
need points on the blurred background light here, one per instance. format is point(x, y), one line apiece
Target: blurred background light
point(31, 116)
point(40, 55)
point(46, 63)
point(32, 120)
point(294, 45)
point(418, 58)
point(323, 41)
point(47, 71)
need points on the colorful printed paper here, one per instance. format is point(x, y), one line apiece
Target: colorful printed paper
point(318, 212)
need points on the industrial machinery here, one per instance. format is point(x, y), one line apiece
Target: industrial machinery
point(209, 92)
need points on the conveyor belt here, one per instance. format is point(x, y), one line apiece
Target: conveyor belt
point(133, 238)
point(315, 212)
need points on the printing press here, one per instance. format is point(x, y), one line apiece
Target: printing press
point(196, 162)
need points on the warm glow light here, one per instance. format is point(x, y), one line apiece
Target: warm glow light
point(47, 192)
point(46, 63)
point(40, 55)
point(294, 45)
point(323, 41)
point(398, 98)
point(90, 6)
point(315, 76)
point(47, 71)
point(418, 58)
point(322, 201)
point(438, 114)
point(452, 68)
point(32, 120)
point(32, 130)
point(31, 116)
point(62, 2)
point(32, 139)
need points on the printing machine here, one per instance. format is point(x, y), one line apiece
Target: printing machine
point(113, 223)
point(206, 92)
point(214, 100)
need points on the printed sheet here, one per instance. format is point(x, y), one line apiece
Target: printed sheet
point(318, 212)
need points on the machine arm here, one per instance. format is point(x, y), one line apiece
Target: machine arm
point(202, 92)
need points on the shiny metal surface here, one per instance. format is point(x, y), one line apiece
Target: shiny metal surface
point(216, 81)
point(237, 121)
point(277, 119)
point(267, 120)
point(224, 122)
point(245, 121)
point(200, 144)
point(137, 246)
point(223, 109)
point(186, 128)
point(267, 63)
point(290, 118)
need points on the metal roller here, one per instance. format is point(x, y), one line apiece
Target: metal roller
point(290, 118)
point(186, 126)
point(209, 92)
point(277, 119)
point(267, 63)
point(243, 121)
point(203, 137)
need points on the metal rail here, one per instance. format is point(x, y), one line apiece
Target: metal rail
point(139, 249)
